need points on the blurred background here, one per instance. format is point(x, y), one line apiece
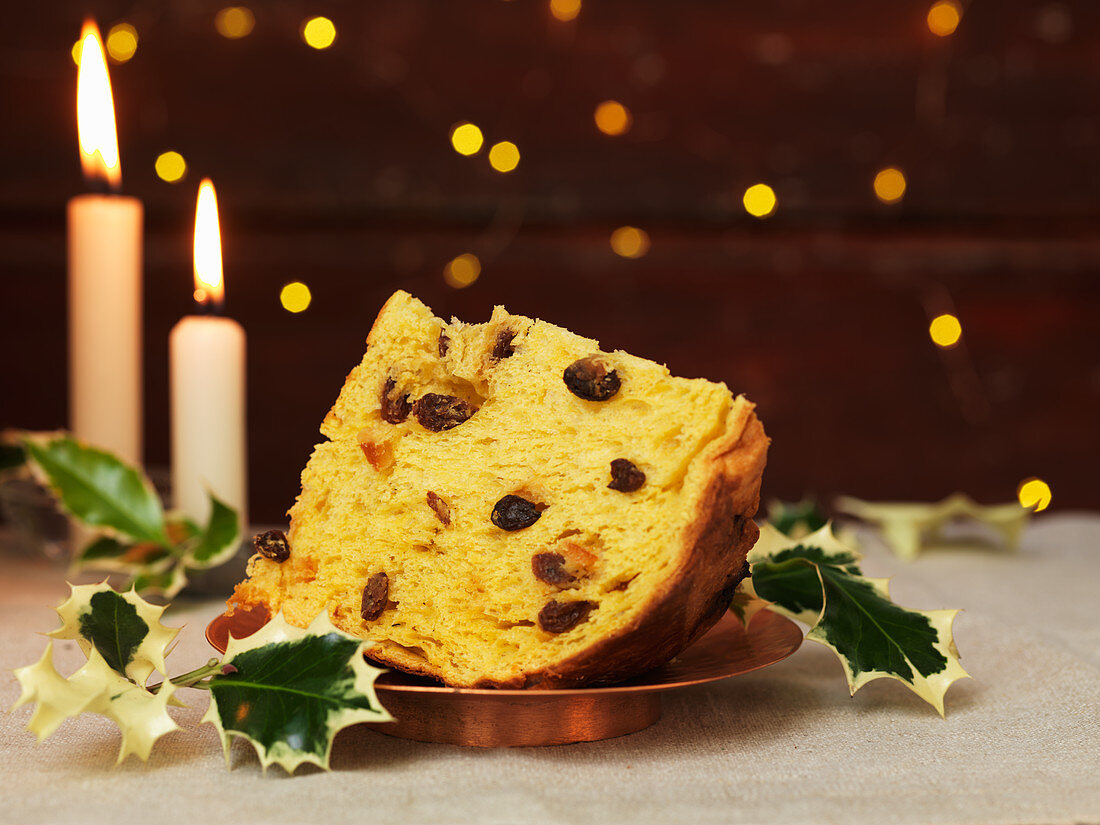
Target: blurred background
point(785, 196)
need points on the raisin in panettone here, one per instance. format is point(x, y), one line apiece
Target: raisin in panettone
point(505, 505)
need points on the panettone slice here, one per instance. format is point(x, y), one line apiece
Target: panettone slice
point(503, 504)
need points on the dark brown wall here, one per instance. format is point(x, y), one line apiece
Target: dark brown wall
point(335, 168)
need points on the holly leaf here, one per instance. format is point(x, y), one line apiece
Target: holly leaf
point(141, 716)
point(122, 627)
point(166, 582)
point(796, 519)
point(289, 691)
point(818, 581)
point(746, 603)
point(907, 526)
point(98, 488)
point(12, 456)
point(218, 543)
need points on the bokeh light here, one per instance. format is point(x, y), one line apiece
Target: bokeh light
point(122, 42)
point(467, 139)
point(295, 297)
point(504, 156)
point(565, 10)
point(889, 184)
point(1034, 493)
point(630, 242)
point(319, 32)
point(613, 118)
point(759, 200)
point(170, 166)
point(462, 270)
point(944, 17)
point(234, 22)
point(945, 330)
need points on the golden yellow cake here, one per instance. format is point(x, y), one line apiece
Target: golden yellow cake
point(504, 505)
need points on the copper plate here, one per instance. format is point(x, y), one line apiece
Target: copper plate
point(430, 712)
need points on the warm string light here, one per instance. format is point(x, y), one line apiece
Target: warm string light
point(945, 331)
point(613, 118)
point(319, 32)
point(1034, 494)
point(759, 200)
point(462, 270)
point(629, 242)
point(466, 138)
point(170, 167)
point(122, 42)
point(565, 10)
point(944, 17)
point(295, 297)
point(504, 156)
point(889, 184)
point(234, 22)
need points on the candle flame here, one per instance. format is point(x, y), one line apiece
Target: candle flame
point(209, 285)
point(95, 112)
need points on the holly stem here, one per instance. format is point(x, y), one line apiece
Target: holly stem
point(194, 677)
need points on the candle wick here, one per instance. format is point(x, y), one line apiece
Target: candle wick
point(99, 185)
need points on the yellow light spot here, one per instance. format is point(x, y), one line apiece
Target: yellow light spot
point(467, 139)
point(565, 10)
point(200, 295)
point(122, 42)
point(630, 242)
point(462, 270)
point(889, 184)
point(759, 200)
point(944, 17)
point(504, 156)
point(295, 297)
point(613, 118)
point(945, 330)
point(76, 51)
point(319, 32)
point(1034, 493)
point(234, 22)
point(170, 167)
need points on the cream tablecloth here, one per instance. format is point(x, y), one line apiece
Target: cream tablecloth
point(1021, 742)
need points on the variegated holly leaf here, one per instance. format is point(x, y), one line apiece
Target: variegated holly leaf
point(817, 581)
point(98, 488)
point(218, 542)
point(123, 627)
point(746, 603)
point(908, 526)
point(141, 716)
point(289, 691)
point(796, 519)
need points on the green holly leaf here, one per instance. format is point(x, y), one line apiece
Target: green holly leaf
point(98, 488)
point(141, 716)
point(796, 519)
point(12, 456)
point(817, 581)
point(166, 582)
point(908, 526)
point(218, 543)
point(122, 627)
point(289, 691)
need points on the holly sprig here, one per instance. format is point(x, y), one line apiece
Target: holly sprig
point(131, 533)
point(817, 580)
point(260, 691)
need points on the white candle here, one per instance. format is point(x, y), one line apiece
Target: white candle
point(105, 406)
point(207, 355)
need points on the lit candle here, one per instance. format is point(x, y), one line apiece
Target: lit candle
point(104, 275)
point(207, 354)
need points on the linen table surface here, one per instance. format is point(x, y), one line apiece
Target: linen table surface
point(1020, 744)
